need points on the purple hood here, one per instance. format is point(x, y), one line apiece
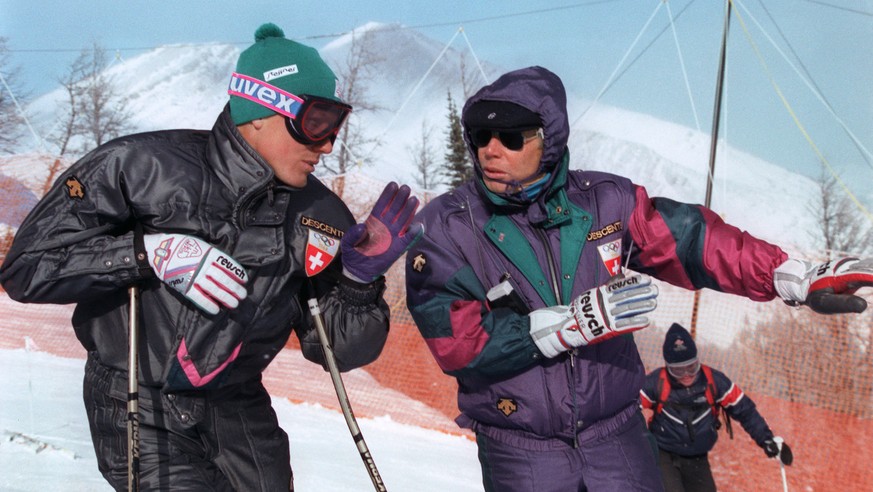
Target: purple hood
point(537, 90)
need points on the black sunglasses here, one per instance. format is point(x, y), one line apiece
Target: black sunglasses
point(511, 139)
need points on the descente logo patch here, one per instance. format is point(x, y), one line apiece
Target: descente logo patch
point(321, 226)
point(605, 231)
point(280, 72)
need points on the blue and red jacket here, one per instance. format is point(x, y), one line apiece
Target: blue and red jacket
point(571, 238)
point(686, 424)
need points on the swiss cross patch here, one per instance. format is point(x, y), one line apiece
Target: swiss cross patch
point(320, 251)
point(610, 253)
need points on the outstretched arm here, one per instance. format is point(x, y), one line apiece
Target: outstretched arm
point(692, 247)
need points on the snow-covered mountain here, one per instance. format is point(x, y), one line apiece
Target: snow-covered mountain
point(184, 86)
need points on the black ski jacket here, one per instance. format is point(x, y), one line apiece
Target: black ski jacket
point(83, 244)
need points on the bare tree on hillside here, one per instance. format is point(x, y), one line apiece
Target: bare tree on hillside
point(843, 226)
point(70, 112)
point(11, 90)
point(812, 358)
point(846, 230)
point(355, 74)
point(67, 124)
point(423, 156)
point(803, 357)
point(93, 112)
point(471, 77)
point(103, 110)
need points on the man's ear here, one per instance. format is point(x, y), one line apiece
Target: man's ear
point(249, 130)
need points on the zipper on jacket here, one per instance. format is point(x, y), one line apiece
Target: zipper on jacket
point(571, 354)
point(550, 261)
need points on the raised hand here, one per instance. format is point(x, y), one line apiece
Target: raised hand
point(369, 249)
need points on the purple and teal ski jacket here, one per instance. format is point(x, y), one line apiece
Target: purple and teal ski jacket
point(577, 234)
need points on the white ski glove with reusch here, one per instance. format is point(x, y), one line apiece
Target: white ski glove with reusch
point(599, 314)
point(204, 274)
point(827, 288)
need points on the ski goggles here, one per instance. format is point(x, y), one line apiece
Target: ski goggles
point(511, 139)
point(309, 119)
point(684, 370)
point(317, 120)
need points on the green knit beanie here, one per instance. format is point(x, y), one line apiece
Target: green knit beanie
point(281, 63)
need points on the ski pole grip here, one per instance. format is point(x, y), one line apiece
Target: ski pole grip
point(313, 307)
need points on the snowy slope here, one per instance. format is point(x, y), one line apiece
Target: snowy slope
point(45, 444)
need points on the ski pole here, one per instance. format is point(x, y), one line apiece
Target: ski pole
point(133, 393)
point(779, 441)
point(343, 398)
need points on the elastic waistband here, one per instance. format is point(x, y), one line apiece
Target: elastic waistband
point(521, 439)
point(114, 382)
point(608, 426)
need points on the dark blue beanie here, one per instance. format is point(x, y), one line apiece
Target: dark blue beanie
point(678, 345)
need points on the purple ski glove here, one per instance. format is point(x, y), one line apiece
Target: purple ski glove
point(369, 249)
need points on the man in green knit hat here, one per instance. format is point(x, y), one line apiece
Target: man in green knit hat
point(227, 235)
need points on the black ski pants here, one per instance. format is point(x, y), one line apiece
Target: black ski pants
point(221, 440)
point(685, 473)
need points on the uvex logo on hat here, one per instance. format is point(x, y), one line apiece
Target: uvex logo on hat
point(679, 345)
point(264, 94)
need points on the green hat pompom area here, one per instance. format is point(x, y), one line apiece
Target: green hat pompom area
point(269, 30)
point(284, 64)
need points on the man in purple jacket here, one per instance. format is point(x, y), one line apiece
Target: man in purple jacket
point(519, 290)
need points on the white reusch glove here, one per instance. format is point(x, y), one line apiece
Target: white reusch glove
point(827, 288)
point(599, 314)
point(206, 275)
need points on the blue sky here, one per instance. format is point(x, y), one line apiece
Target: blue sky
point(584, 41)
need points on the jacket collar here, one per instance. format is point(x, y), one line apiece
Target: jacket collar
point(239, 167)
point(551, 207)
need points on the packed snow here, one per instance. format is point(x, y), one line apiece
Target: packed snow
point(45, 443)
